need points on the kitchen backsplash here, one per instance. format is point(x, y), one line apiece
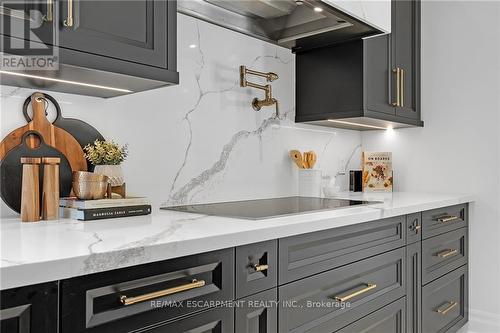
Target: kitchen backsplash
point(201, 141)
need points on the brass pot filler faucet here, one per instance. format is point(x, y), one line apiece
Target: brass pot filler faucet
point(268, 100)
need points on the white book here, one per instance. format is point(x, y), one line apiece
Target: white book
point(73, 202)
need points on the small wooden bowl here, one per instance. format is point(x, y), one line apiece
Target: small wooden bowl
point(88, 176)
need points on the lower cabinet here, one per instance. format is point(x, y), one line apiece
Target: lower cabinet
point(258, 313)
point(218, 320)
point(389, 319)
point(31, 309)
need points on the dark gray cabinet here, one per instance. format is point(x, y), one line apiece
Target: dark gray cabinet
point(366, 84)
point(258, 313)
point(31, 309)
point(399, 274)
point(104, 48)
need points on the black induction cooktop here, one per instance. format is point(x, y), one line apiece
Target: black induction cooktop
point(268, 208)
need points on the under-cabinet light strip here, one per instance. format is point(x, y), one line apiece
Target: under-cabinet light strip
point(356, 124)
point(66, 81)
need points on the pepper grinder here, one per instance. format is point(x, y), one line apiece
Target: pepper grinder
point(30, 192)
point(50, 192)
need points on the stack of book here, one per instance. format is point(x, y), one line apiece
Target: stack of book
point(86, 210)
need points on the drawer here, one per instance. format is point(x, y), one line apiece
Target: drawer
point(132, 298)
point(256, 267)
point(445, 302)
point(218, 320)
point(305, 255)
point(258, 313)
point(331, 300)
point(389, 319)
point(413, 228)
point(444, 253)
point(441, 220)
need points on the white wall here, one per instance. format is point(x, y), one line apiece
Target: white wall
point(201, 140)
point(458, 149)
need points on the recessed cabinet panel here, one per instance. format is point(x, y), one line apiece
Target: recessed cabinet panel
point(258, 313)
point(413, 288)
point(441, 220)
point(129, 30)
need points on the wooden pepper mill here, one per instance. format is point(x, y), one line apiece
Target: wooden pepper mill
point(50, 192)
point(30, 192)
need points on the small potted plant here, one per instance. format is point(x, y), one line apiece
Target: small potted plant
point(107, 157)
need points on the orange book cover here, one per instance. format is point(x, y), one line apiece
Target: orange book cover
point(377, 172)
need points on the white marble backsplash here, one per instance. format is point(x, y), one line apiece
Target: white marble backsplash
point(201, 141)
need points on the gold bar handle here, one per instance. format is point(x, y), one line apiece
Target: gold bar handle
point(402, 89)
point(398, 85)
point(68, 22)
point(448, 218)
point(49, 16)
point(447, 307)
point(260, 268)
point(446, 253)
point(160, 293)
point(369, 286)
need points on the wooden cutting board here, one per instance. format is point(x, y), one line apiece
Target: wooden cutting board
point(53, 136)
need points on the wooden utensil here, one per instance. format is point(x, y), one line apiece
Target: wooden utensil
point(296, 156)
point(80, 130)
point(11, 170)
point(306, 160)
point(311, 159)
point(51, 135)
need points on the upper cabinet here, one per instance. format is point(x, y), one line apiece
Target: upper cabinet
point(373, 83)
point(104, 48)
point(377, 13)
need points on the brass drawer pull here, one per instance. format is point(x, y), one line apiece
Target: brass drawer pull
point(146, 297)
point(448, 218)
point(397, 71)
point(68, 22)
point(446, 253)
point(49, 16)
point(402, 89)
point(260, 268)
point(447, 308)
point(369, 286)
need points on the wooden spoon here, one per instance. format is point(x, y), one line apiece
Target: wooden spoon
point(311, 159)
point(296, 156)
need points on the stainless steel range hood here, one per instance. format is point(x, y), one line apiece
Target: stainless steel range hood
point(295, 24)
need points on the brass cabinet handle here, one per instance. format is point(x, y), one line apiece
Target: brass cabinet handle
point(68, 22)
point(260, 268)
point(446, 253)
point(398, 86)
point(445, 308)
point(369, 286)
point(49, 16)
point(448, 218)
point(417, 228)
point(160, 293)
point(402, 89)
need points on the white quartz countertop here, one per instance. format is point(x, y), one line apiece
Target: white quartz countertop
point(46, 251)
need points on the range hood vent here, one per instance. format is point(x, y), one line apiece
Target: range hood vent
point(294, 24)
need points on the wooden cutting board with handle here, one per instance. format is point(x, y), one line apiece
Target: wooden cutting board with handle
point(53, 136)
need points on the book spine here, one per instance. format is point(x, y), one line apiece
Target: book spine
point(114, 212)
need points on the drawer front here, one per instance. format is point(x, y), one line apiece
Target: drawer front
point(444, 253)
point(218, 320)
point(132, 298)
point(389, 319)
point(333, 299)
point(441, 220)
point(258, 313)
point(256, 267)
point(445, 302)
point(305, 255)
point(413, 228)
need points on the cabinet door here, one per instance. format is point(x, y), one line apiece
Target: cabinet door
point(29, 309)
point(258, 313)
point(135, 30)
point(413, 288)
point(379, 92)
point(218, 320)
point(406, 52)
